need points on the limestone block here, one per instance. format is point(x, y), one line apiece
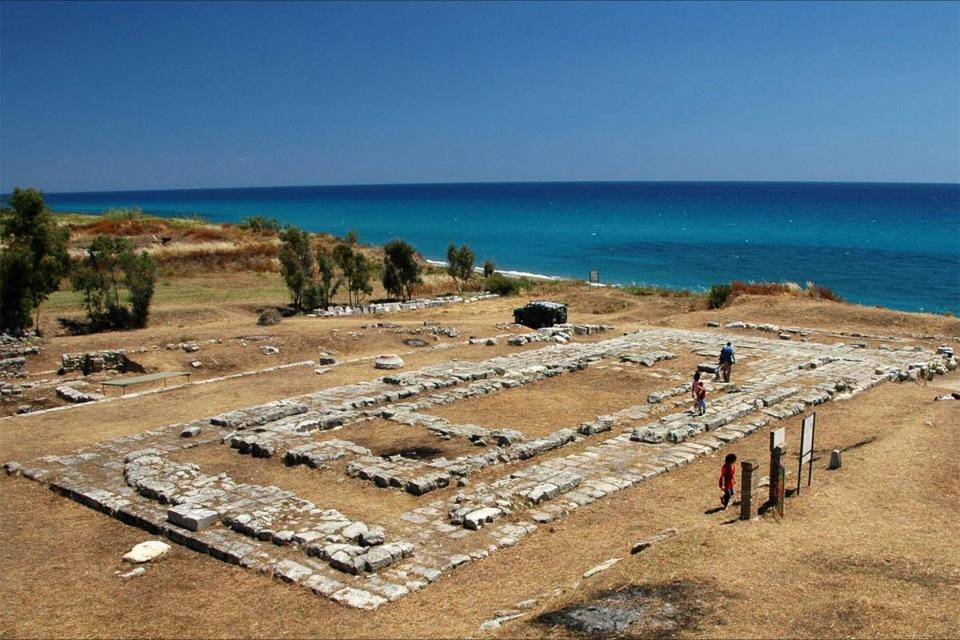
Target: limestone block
point(290, 571)
point(343, 561)
point(322, 585)
point(358, 598)
point(191, 517)
point(476, 519)
point(388, 361)
point(376, 558)
point(354, 531)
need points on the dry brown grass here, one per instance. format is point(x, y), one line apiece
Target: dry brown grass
point(564, 401)
point(887, 567)
point(119, 227)
point(812, 290)
point(870, 550)
point(211, 257)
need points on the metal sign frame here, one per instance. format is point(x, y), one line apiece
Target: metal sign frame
point(808, 426)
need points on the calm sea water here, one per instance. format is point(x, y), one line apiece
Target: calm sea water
point(896, 245)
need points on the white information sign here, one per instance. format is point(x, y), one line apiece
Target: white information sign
point(806, 439)
point(778, 438)
point(807, 432)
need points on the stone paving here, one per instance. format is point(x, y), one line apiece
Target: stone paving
point(506, 490)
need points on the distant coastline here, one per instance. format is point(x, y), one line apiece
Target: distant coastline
point(894, 245)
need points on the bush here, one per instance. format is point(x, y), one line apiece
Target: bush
point(718, 294)
point(260, 224)
point(488, 268)
point(111, 265)
point(141, 277)
point(269, 318)
point(507, 286)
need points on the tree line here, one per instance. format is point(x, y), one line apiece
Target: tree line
point(117, 283)
point(315, 274)
point(35, 260)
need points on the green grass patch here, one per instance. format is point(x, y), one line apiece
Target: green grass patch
point(208, 291)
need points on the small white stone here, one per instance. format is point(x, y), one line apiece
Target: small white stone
point(603, 566)
point(133, 573)
point(146, 551)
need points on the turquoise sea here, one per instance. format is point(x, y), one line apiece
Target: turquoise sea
point(896, 245)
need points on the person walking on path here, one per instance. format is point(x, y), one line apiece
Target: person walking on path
point(727, 359)
point(728, 473)
point(699, 392)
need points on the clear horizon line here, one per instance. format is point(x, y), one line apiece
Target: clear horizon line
point(492, 182)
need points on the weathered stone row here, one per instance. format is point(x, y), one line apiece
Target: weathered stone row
point(94, 361)
point(419, 477)
point(318, 455)
point(660, 396)
point(13, 367)
point(560, 333)
point(273, 429)
point(13, 353)
point(264, 513)
point(16, 349)
point(395, 307)
point(70, 393)
point(806, 331)
point(648, 359)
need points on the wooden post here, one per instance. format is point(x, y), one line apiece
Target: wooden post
point(746, 489)
point(778, 473)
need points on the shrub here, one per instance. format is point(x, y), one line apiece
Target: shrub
point(488, 268)
point(141, 277)
point(260, 224)
point(718, 294)
point(112, 265)
point(821, 293)
point(269, 318)
point(507, 286)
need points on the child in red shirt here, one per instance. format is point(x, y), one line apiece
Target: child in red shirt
point(728, 478)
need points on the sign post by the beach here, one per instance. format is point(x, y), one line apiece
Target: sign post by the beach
point(594, 276)
point(807, 432)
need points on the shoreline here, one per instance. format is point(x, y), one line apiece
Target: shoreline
point(546, 277)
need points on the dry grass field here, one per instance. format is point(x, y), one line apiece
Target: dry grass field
point(869, 550)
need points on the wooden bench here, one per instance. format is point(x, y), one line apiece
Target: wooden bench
point(123, 383)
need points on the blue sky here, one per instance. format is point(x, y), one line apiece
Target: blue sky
point(123, 95)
